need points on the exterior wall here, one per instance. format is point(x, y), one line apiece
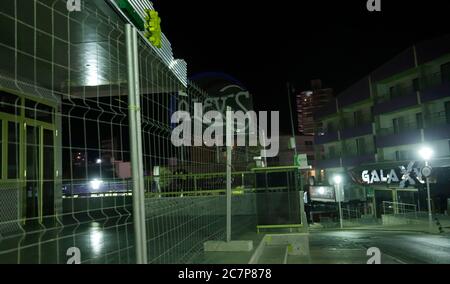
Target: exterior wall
point(286, 155)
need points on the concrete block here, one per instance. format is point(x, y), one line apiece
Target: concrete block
point(298, 244)
point(233, 246)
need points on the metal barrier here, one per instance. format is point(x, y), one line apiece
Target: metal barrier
point(89, 173)
point(396, 208)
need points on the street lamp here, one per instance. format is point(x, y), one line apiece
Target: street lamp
point(337, 179)
point(426, 153)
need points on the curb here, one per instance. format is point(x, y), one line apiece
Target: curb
point(378, 230)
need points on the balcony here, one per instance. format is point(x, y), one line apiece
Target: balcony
point(436, 86)
point(351, 131)
point(437, 126)
point(326, 137)
point(328, 163)
point(407, 134)
point(356, 160)
point(399, 99)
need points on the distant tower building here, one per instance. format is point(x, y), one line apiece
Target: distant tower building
point(308, 103)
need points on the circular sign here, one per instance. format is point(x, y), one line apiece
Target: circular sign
point(426, 171)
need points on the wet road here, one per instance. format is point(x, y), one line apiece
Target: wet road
point(397, 247)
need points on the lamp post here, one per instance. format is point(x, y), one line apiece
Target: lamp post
point(337, 179)
point(426, 153)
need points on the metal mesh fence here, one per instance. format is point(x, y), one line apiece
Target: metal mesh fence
point(64, 134)
point(65, 176)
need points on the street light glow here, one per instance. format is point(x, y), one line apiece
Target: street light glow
point(337, 179)
point(426, 153)
point(95, 184)
point(321, 190)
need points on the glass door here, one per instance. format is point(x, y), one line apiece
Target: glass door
point(32, 179)
point(40, 168)
point(48, 173)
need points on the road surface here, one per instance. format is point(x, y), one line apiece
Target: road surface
point(350, 246)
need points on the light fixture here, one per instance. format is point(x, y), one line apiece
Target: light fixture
point(98, 161)
point(95, 184)
point(321, 190)
point(337, 179)
point(426, 153)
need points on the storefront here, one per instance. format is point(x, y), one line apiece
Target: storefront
point(30, 186)
point(400, 187)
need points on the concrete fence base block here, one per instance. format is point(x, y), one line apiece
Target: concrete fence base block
point(297, 244)
point(233, 246)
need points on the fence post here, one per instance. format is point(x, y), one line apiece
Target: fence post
point(229, 141)
point(134, 114)
point(303, 217)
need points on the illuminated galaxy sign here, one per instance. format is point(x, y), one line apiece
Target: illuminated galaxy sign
point(404, 176)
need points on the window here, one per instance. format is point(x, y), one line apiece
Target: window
point(447, 112)
point(360, 146)
point(416, 84)
point(396, 125)
point(330, 127)
point(332, 151)
point(1, 149)
point(419, 120)
point(445, 72)
point(9, 103)
point(13, 150)
point(38, 111)
point(394, 91)
point(402, 155)
point(356, 118)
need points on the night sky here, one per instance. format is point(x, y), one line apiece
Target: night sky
point(265, 44)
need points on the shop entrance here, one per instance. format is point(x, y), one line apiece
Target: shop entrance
point(27, 151)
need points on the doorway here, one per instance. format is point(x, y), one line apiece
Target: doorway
point(40, 172)
point(28, 155)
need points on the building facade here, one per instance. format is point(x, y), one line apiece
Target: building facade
point(307, 105)
point(381, 121)
point(304, 144)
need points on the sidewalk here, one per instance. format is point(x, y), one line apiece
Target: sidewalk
point(418, 228)
point(339, 256)
point(231, 257)
point(413, 225)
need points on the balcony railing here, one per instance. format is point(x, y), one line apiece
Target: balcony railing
point(438, 118)
point(329, 156)
point(395, 93)
point(434, 79)
point(435, 86)
point(404, 127)
point(352, 123)
point(353, 152)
